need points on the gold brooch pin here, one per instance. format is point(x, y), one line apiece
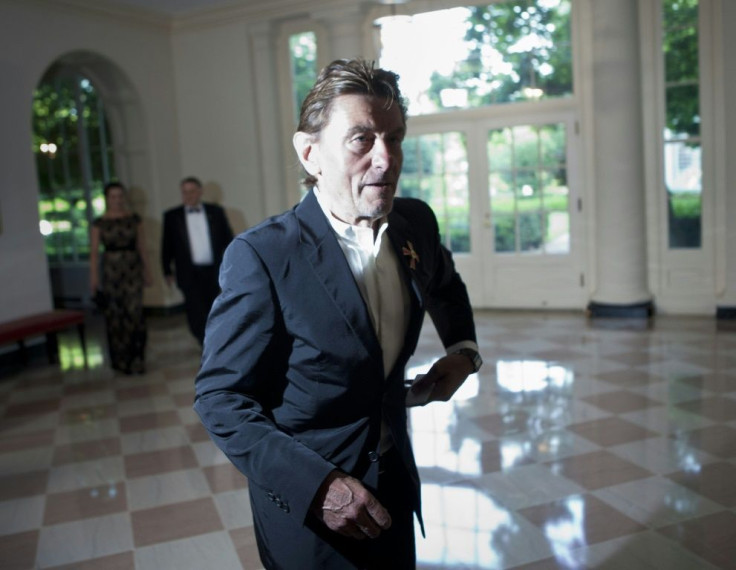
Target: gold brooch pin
point(411, 254)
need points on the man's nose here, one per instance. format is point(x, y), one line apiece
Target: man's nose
point(383, 154)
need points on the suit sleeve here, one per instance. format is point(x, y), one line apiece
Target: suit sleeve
point(447, 298)
point(221, 233)
point(227, 231)
point(242, 378)
point(167, 246)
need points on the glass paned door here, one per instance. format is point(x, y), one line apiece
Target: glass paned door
point(530, 254)
point(436, 171)
point(507, 205)
point(682, 143)
point(527, 189)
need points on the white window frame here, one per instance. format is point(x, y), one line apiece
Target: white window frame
point(289, 120)
point(685, 280)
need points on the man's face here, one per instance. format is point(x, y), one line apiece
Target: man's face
point(358, 158)
point(190, 194)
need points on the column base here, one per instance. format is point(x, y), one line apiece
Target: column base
point(643, 310)
point(725, 313)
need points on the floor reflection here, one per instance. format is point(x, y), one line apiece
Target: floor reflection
point(462, 526)
point(578, 445)
point(578, 459)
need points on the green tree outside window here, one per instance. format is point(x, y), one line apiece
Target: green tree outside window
point(74, 159)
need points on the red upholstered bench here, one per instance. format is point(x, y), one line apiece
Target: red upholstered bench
point(48, 323)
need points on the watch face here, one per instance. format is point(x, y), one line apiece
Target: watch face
point(473, 356)
point(477, 361)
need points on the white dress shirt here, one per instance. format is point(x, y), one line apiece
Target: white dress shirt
point(375, 267)
point(199, 235)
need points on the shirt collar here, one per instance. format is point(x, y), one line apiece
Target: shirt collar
point(359, 236)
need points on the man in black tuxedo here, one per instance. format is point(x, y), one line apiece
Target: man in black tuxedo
point(302, 378)
point(194, 238)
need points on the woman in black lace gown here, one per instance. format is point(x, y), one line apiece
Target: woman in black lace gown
point(125, 271)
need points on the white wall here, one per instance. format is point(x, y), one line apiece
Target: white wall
point(218, 130)
point(32, 36)
point(200, 96)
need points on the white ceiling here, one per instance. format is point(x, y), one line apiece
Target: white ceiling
point(177, 7)
point(184, 7)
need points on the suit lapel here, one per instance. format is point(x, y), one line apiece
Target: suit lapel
point(331, 269)
point(402, 239)
point(181, 215)
point(209, 214)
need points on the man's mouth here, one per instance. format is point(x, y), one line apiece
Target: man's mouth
point(379, 183)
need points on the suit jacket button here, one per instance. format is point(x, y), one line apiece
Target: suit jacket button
point(372, 456)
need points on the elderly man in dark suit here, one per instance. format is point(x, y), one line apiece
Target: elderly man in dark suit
point(302, 378)
point(194, 239)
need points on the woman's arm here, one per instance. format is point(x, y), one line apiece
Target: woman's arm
point(141, 246)
point(94, 256)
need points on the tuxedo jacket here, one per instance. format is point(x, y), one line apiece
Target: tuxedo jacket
point(292, 383)
point(175, 241)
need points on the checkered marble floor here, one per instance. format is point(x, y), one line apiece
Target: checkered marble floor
point(580, 444)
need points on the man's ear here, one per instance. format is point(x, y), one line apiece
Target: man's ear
point(307, 151)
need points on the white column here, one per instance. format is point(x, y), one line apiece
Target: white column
point(725, 112)
point(344, 25)
point(621, 264)
point(268, 119)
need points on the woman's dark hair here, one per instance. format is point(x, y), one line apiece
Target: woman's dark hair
point(113, 184)
point(346, 77)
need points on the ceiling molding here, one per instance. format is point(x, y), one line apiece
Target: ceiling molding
point(248, 11)
point(254, 10)
point(108, 9)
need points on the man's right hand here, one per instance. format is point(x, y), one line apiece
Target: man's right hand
point(348, 508)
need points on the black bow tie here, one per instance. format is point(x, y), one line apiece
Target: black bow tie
point(194, 209)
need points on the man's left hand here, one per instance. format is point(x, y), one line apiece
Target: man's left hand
point(445, 377)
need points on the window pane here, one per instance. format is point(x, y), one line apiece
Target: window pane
point(683, 182)
point(557, 232)
point(680, 40)
point(74, 158)
point(499, 149)
point(504, 232)
point(683, 111)
point(303, 56)
point(510, 51)
point(682, 153)
point(526, 147)
point(555, 190)
point(553, 141)
point(530, 231)
point(436, 170)
point(529, 196)
point(501, 192)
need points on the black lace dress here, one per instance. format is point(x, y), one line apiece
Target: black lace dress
point(122, 286)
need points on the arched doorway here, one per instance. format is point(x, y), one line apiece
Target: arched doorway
point(85, 115)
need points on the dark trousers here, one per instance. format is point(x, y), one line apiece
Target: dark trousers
point(315, 547)
point(199, 294)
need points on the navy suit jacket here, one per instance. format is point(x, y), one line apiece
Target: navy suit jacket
point(175, 241)
point(292, 381)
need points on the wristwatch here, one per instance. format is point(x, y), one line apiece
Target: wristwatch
point(474, 357)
